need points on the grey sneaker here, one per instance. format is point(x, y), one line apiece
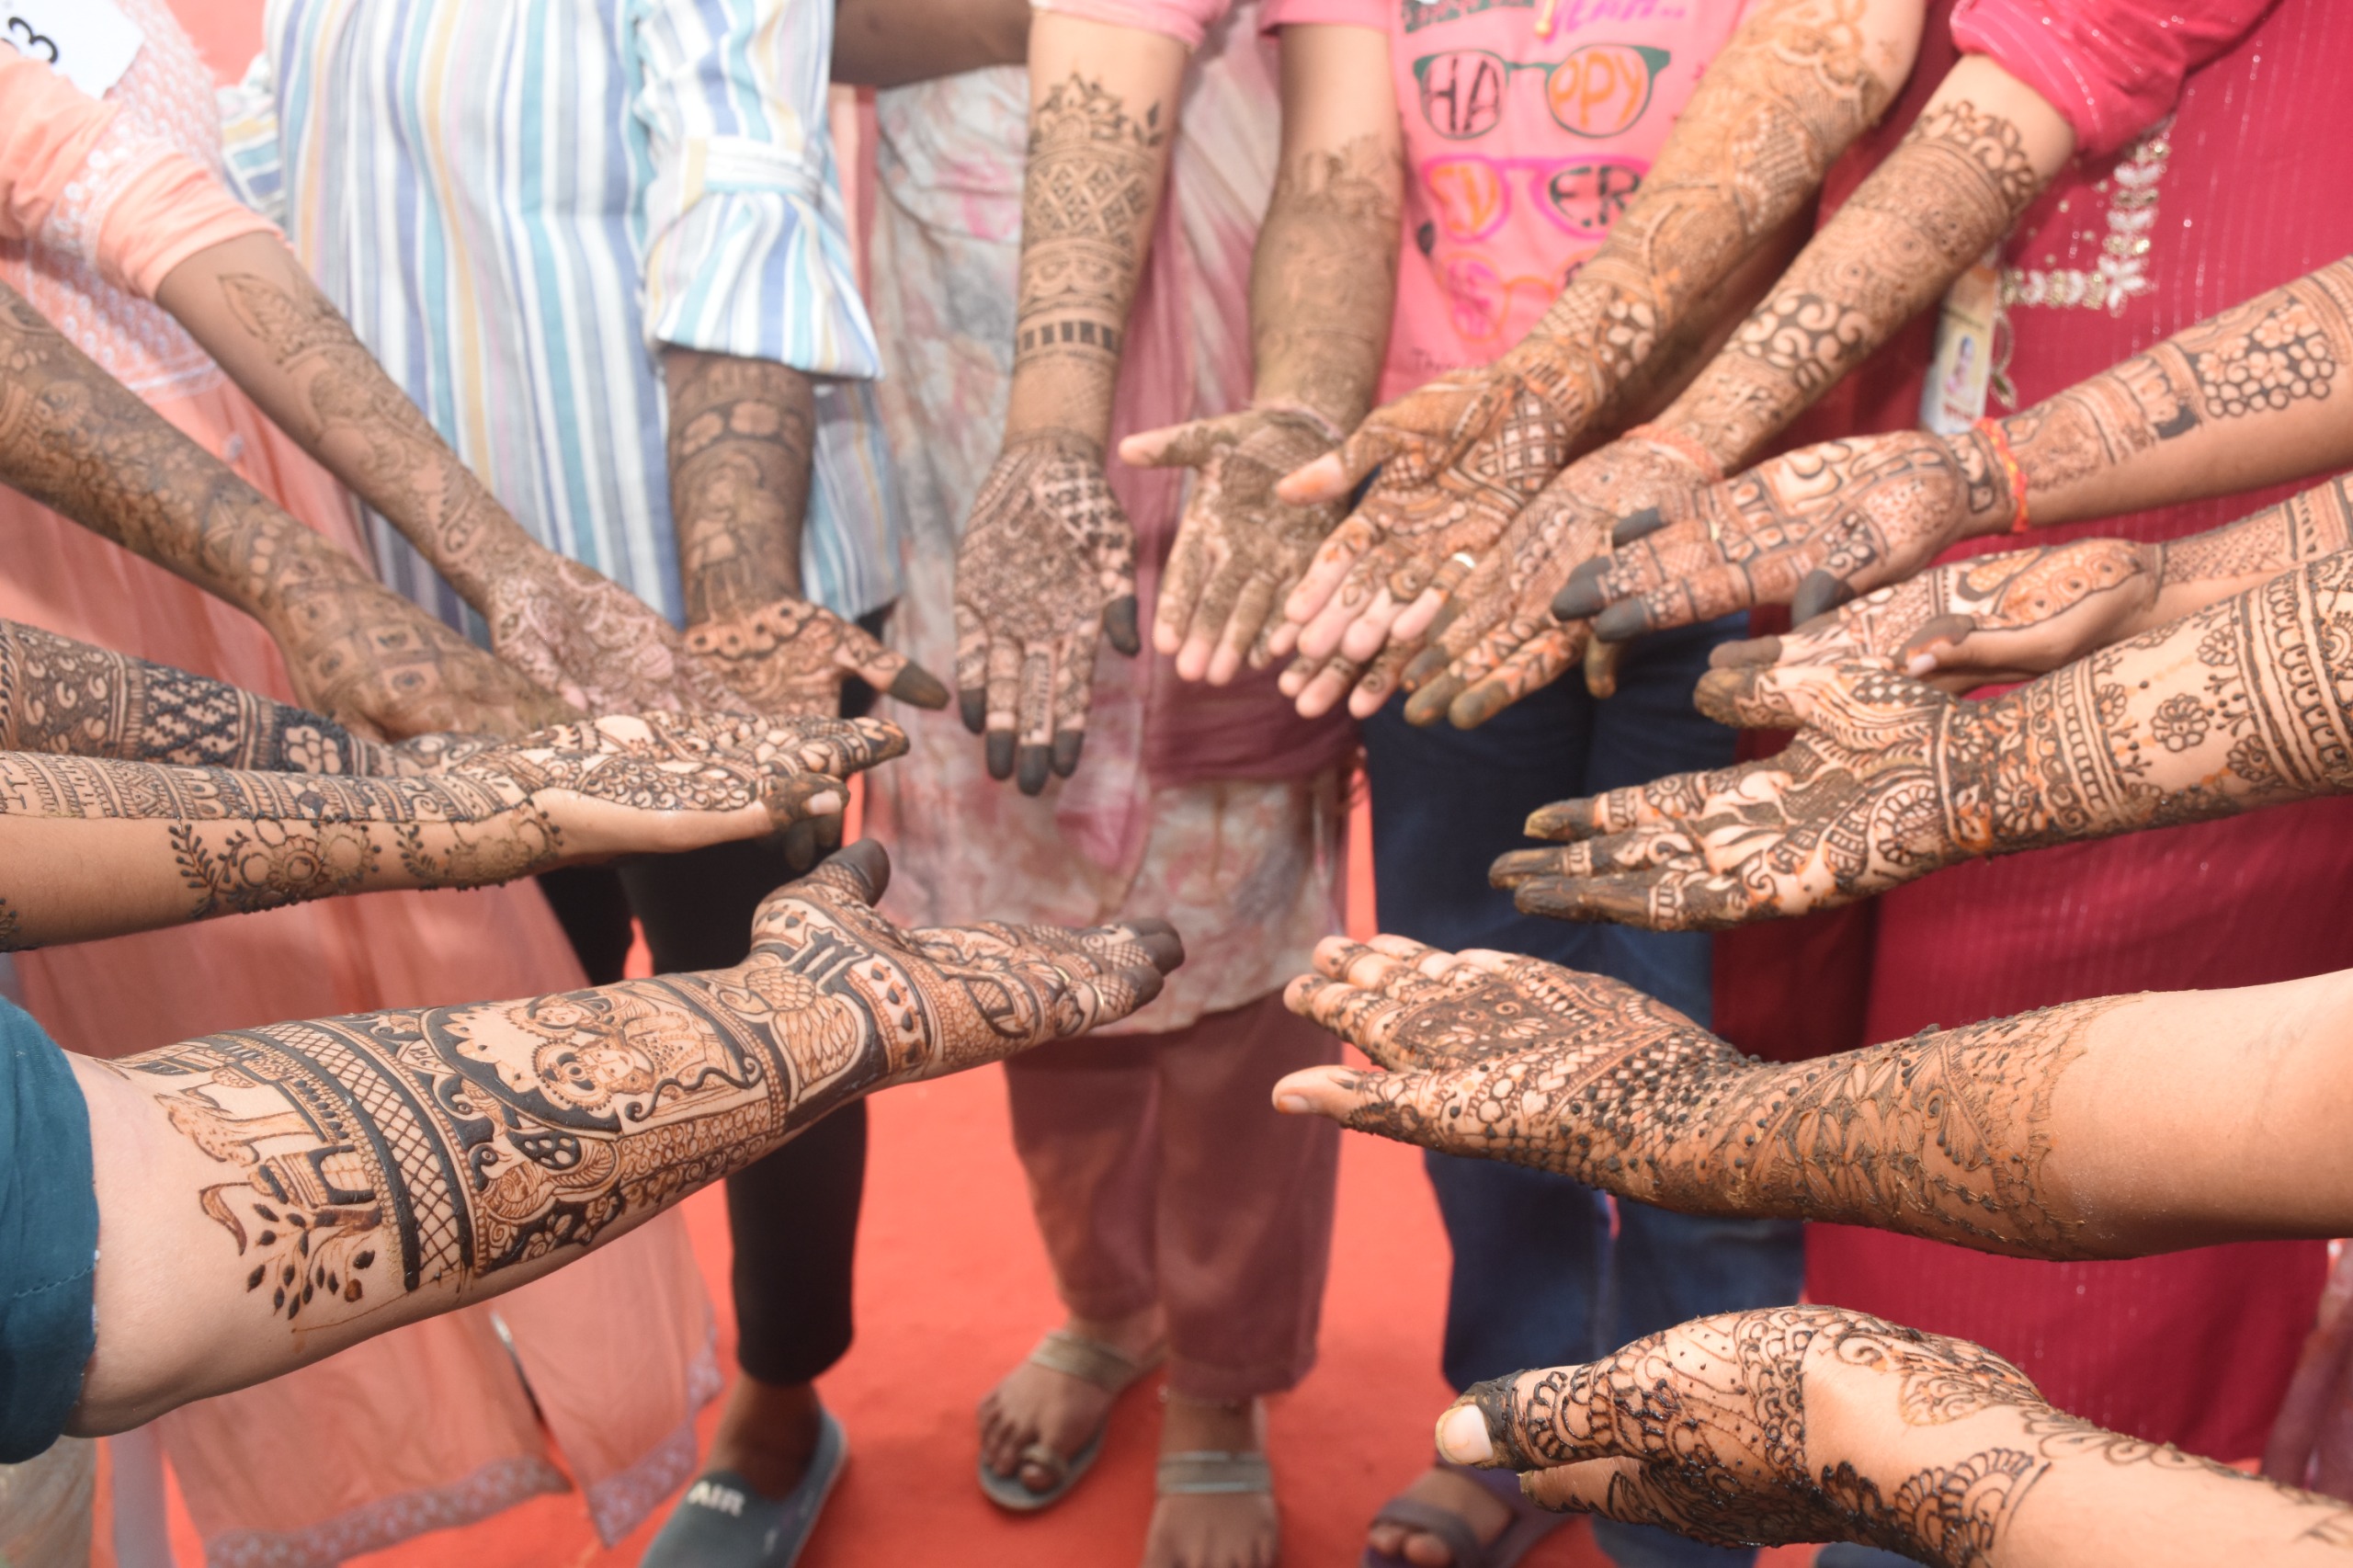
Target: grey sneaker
point(722, 1522)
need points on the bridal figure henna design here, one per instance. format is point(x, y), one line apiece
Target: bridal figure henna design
point(1453, 462)
point(1491, 1056)
point(1950, 189)
point(568, 627)
point(2225, 404)
point(366, 1160)
point(74, 439)
point(2244, 704)
point(58, 695)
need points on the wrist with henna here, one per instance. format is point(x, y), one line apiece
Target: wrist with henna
point(1946, 1135)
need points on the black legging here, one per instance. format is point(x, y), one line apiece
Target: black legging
point(794, 1216)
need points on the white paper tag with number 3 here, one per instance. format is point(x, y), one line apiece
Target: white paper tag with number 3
point(90, 42)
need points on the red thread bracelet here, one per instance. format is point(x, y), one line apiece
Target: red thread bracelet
point(1992, 430)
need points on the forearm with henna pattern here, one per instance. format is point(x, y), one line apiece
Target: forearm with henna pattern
point(2239, 400)
point(1795, 87)
point(1951, 188)
point(64, 696)
point(742, 433)
point(1322, 281)
point(1091, 186)
point(343, 1176)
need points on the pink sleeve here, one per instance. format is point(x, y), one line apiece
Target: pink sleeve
point(1187, 21)
point(2113, 68)
point(1346, 13)
point(155, 214)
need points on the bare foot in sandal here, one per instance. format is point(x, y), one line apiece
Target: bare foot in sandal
point(1454, 1493)
point(1054, 1402)
point(1216, 1505)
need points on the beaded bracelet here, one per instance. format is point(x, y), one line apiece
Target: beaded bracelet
point(1992, 430)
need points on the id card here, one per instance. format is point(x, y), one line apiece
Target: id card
point(89, 42)
point(1962, 367)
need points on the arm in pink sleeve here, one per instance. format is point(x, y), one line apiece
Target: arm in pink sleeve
point(1187, 21)
point(165, 210)
point(2112, 68)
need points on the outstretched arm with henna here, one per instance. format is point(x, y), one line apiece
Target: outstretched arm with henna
point(1047, 564)
point(270, 1196)
point(1322, 284)
point(2246, 703)
point(1816, 1424)
point(2241, 399)
point(1982, 148)
point(76, 439)
point(2111, 1128)
point(93, 846)
point(2010, 616)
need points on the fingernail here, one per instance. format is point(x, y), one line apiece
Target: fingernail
point(1582, 597)
point(827, 804)
point(973, 707)
point(1463, 1436)
point(1620, 621)
point(1000, 755)
point(1293, 1105)
point(919, 687)
point(1036, 763)
point(1920, 664)
point(1067, 746)
point(1120, 625)
point(1634, 525)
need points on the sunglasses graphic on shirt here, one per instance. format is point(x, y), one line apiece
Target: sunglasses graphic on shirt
point(1600, 90)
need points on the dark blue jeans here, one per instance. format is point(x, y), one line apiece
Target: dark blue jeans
point(1548, 1271)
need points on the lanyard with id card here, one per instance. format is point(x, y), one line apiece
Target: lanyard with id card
point(89, 42)
point(1961, 370)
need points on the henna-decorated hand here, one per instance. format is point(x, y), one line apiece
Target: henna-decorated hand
point(382, 667)
point(662, 782)
point(789, 659)
point(583, 636)
point(1746, 1428)
point(1240, 548)
point(1498, 641)
point(944, 998)
point(1494, 1056)
point(1047, 564)
point(1452, 463)
point(1993, 619)
point(1810, 530)
point(1887, 781)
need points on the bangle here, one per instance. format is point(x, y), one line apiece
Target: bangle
point(1681, 444)
point(1995, 437)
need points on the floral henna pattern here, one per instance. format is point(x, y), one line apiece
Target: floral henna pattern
point(1047, 564)
point(788, 660)
point(63, 696)
point(1945, 1135)
point(368, 1158)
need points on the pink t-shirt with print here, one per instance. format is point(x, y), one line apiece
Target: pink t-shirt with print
point(1520, 148)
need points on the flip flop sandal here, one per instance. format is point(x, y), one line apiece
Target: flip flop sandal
point(1530, 1524)
point(722, 1522)
point(1090, 1361)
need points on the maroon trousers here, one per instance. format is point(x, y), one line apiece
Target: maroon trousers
point(1160, 1172)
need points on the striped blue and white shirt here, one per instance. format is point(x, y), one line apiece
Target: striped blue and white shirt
point(517, 202)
